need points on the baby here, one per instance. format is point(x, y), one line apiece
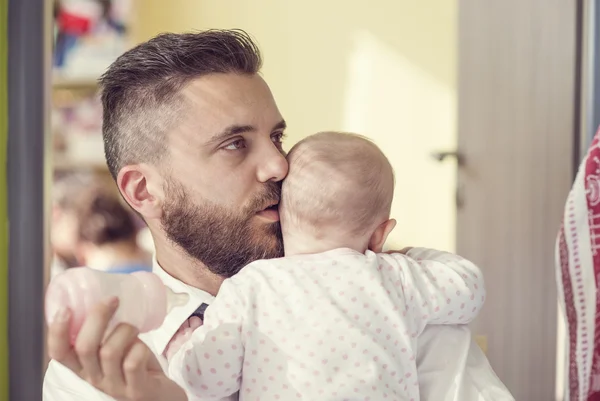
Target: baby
point(334, 319)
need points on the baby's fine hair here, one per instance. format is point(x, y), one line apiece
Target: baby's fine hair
point(339, 181)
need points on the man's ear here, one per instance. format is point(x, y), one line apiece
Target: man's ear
point(380, 235)
point(142, 187)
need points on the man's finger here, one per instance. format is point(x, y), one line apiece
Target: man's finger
point(90, 338)
point(135, 369)
point(112, 355)
point(59, 341)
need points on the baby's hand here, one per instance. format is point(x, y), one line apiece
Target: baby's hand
point(403, 251)
point(182, 336)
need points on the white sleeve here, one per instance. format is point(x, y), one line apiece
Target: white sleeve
point(61, 384)
point(209, 365)
point(452, 367)
point(440, 287)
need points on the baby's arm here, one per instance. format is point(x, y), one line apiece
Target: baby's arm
point(440, 287)
point(209, 365)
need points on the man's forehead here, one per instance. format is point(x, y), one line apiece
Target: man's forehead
point(216, 102)
point(227, 89)
point(238, 98)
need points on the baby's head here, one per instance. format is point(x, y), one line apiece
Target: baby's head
point(338, 193)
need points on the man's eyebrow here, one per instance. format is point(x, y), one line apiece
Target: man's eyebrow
point(230, 131)
point(233, 130)
point(281, 125)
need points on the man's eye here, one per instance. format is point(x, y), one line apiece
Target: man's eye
point(239, 144)
point(278, 137)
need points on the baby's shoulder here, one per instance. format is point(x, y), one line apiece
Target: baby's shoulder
point(263, 264)
point(260, 268)
point(391, 257)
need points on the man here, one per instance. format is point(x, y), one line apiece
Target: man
point(193, 138)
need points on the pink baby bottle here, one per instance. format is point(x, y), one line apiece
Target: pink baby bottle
point(144, 300)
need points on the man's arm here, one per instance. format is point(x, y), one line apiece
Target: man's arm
point(61, 384)
point(118, 364)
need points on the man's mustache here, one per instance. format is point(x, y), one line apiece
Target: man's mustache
point(269, 196)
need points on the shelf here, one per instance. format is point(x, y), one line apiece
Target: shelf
point(74, 84)
point(68, 165)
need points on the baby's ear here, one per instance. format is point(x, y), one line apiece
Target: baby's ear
point(380, 235)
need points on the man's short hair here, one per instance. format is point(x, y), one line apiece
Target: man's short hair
point(141, 89)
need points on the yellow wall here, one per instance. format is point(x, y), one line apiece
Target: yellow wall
point(384, 69)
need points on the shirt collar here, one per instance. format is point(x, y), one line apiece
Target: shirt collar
point(160, 337)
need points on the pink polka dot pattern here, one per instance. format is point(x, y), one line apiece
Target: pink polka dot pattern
point(337, 325)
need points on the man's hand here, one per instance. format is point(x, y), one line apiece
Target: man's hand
point(116, 363)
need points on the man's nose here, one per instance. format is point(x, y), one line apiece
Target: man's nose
point(273, 166)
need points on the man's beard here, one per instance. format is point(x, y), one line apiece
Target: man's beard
point(223, 240)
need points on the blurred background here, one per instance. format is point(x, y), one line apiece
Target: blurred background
point(483, 107)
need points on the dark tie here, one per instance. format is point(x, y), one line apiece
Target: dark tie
point(200, 311)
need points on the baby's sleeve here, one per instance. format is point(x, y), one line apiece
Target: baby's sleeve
point(209, 365)
point(440, 287)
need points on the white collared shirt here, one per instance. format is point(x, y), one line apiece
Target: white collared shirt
point(451, 367)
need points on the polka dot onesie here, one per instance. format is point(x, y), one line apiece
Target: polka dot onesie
point(339, 325)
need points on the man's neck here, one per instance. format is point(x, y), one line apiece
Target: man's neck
point(178, 264)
